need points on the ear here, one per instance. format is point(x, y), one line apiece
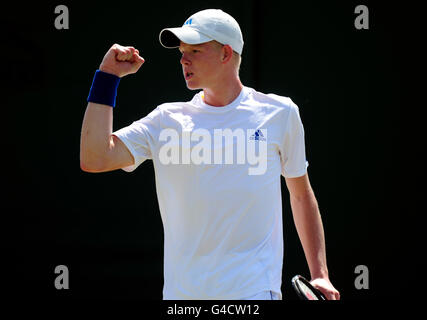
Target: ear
point(226, 53)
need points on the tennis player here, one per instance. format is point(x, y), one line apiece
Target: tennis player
point(218, 160)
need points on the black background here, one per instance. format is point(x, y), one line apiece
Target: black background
point(106, 227)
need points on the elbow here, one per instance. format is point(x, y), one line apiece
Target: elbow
point(86, 167)
point(91, 165)
point(91, 168)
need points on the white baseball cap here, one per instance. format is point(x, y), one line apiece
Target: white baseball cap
point(204, 26)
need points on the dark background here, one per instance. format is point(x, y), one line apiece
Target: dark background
point(106, 227)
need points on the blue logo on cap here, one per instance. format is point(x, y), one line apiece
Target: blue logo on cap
point(189, 21)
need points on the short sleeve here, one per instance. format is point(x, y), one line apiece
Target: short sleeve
point(139, 138)
point(292, 149)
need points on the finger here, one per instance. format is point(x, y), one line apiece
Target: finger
point(328, 294)
point(121, 55)
point(337, 296)
point(138, 62)
point(333, 295)
point(131, 54)
point(131, 51)
point(137, 58)
point(124, 54)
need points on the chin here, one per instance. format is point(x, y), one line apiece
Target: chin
point(192, 86)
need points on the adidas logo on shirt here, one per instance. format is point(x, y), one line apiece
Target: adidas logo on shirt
point(257, 136)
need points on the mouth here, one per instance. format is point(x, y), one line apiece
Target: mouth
point(188, 75)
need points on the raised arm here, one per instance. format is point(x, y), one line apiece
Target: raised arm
point(101, 151)
point(309, 226)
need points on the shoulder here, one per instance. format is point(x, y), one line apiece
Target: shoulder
point(166, 110)
point(271, 100)
point(177, 106)
point(171, 106)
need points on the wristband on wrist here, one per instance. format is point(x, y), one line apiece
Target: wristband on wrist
point(104, 88)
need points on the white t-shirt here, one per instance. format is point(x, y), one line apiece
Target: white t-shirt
point(217, 173)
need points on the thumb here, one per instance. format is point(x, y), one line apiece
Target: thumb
point(134, 63)
point(137, 60)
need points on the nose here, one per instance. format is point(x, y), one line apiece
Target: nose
point(184, 60)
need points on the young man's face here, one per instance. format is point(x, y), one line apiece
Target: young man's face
point(201, 64)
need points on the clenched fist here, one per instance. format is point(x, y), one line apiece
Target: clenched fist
point(121, 61)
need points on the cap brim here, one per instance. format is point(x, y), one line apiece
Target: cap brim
point(172, 37)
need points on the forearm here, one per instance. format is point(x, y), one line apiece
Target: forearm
point(96, 133)
point(309, 226)
point(101, 151)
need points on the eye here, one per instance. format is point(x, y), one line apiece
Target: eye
point(195, 50)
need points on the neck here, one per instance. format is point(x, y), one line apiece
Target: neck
point(224, 93)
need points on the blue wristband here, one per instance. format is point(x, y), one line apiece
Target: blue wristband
point(104, 88)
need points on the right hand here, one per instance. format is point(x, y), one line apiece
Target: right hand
point(121, 61)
